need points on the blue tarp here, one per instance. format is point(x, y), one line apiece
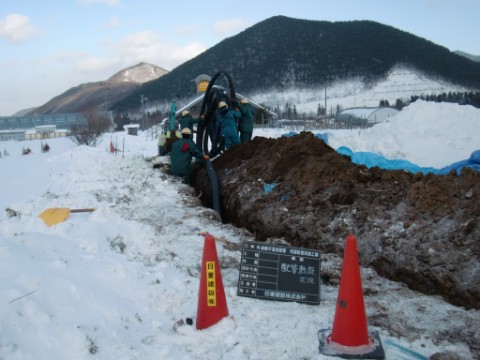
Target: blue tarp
point(473, 162)
point(323, 137)
point(370, 160)
point(268, 188)
point(290, 134)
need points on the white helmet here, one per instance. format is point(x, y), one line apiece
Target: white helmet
point(244, 101)
point(222, 104)
point(186, 131)
point(185, 112)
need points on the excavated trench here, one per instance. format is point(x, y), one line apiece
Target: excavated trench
point(421, 230)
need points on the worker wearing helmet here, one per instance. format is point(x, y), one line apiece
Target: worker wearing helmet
point(187, 120)
point(227, 119)
point(181, 156)
point(165, 140)
point(161, 141)
point(245, 125)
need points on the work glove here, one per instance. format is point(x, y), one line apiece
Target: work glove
point(206, 157)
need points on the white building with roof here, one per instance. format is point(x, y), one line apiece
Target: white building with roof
point(366, 115)
point(39, 126)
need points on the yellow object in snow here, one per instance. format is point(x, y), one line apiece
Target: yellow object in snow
point(54, 216)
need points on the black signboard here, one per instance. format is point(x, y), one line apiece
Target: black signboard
point(277, 272)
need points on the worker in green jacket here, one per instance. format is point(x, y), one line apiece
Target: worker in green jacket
point(181, 156)
point(245, 124)
point(187, 120)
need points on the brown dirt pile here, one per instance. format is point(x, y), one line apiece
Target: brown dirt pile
point(422, 230)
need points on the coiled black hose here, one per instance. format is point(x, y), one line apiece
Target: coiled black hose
point(208, 131)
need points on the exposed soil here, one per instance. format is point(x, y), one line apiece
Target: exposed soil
point(421, 230)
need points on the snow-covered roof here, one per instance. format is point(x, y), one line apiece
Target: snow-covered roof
point(199, 99)
point(370, 114)
point(364, 112)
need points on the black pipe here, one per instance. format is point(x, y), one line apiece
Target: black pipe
point(209, 130)
point(212, 175)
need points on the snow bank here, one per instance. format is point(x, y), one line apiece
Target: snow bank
point(425, 133)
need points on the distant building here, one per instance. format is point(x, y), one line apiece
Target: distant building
point(39, 126)
point(366, 115)
point(6, 135)
point(131, 129)
point(202, 82)
point(45, 132)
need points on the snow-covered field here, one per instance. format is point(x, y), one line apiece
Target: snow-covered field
point(121, 282)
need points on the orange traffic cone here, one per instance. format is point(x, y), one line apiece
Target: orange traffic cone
point(350, 322)
point(212, 304)
point(349, 335)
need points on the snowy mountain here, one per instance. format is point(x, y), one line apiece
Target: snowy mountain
point(139, 74)
point(284, 61)
point(101, 93)
point(284, 54)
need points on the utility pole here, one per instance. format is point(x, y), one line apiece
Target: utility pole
point(328, 77)
point(325, 100)
point(106, 89)
point(143, 101)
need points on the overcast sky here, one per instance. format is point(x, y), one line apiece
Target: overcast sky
point(49, 46)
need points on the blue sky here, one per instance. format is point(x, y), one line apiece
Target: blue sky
point(49, 46)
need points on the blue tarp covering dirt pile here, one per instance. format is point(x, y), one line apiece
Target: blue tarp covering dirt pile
point(370, 160)
point(472, 162)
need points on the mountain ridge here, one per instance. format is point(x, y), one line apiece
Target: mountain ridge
point(468, 56)
point(278, 55)
point(101, 93)
point(283, 52)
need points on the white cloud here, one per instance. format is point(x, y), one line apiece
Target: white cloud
point(16, 28)
point(186, 53)
point(229, 26)
point(112, 23)
point(65, 69)
point(186, 30)
point(92, 63)
point(147, 46)
point(150, 47)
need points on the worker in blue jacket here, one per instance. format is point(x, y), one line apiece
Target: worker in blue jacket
point(187, 120)
point(245, 125)
point(181, 156)
point(227, 120)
